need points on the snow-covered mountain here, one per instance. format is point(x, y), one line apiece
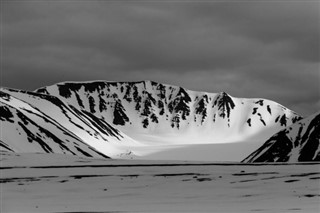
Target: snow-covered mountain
point(158, 113)
point(33, 122)
point(137, 120)
point(296, 143)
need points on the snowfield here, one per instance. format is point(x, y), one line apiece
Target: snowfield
point(64, 183)
point(182, 147)
point(137, 120)
point(151, 112)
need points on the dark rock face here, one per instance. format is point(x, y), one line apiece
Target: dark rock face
point(120, 117)
point(102, 125)
point(145, 123)
point(254, 110)
point(5, 146)
point(283, 120)
point(65, 92)
point(261, 119)
point(269, 109)
point(249, 121)
point(4, 96)
point(311, 141)
point(260, 102)
point(298, 142)
point(225, 104)
point(179, 107)
point(80, 101)
point(92, 104)
point(201, 108)
point(5, 114)
point(277, 153)
point(43, 91)
point(32, 137)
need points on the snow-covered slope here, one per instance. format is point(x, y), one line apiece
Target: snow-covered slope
point(154, 120)
point(158, 113)
point(32, 122)
point(298, 142)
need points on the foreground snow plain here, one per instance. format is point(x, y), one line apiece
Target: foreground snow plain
point(62, 183)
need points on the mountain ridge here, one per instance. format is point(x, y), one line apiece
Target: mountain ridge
point(35, 122)
point(297, 143)
point(161, 106)
point(137, 119)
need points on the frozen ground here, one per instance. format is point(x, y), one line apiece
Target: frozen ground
point(60, 183)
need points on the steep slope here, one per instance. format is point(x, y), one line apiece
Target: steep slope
point(296, 143)
point(158, 113)
point(32, 122)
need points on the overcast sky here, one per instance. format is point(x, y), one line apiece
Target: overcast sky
point(263, 49)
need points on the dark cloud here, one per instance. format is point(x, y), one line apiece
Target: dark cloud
point(266, 49)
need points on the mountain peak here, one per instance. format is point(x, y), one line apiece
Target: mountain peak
point(223, 94)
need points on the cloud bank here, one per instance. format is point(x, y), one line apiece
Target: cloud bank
point(248, 49)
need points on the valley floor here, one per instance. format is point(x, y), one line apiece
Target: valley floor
point(60, 183)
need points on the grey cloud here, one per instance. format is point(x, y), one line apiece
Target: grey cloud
point(270, 22)
point(249, 49)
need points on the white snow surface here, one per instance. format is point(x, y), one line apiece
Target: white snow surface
point(149, 120)
point(194, 129)
point(178, 119)
point(32, 183)
point(73, 129)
